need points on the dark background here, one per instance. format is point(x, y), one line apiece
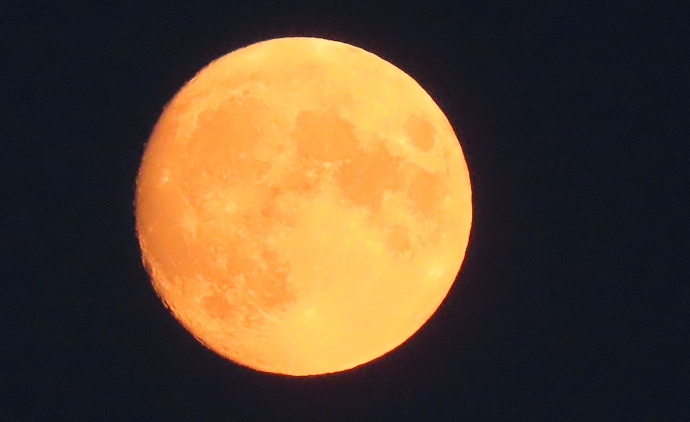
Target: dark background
point(570, 304)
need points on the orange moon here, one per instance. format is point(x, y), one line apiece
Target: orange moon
point(302, 206)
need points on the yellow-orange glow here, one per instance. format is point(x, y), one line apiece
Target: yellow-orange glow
point(302, 206)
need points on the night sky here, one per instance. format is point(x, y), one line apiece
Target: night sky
point(571, 303)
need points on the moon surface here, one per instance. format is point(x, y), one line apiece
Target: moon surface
point(302, 206)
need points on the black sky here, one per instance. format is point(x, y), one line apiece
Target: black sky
point(571, 302)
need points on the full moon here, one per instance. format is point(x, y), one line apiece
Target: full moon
point(302, 206)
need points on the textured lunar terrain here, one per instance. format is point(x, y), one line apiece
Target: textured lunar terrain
point(302, 206)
